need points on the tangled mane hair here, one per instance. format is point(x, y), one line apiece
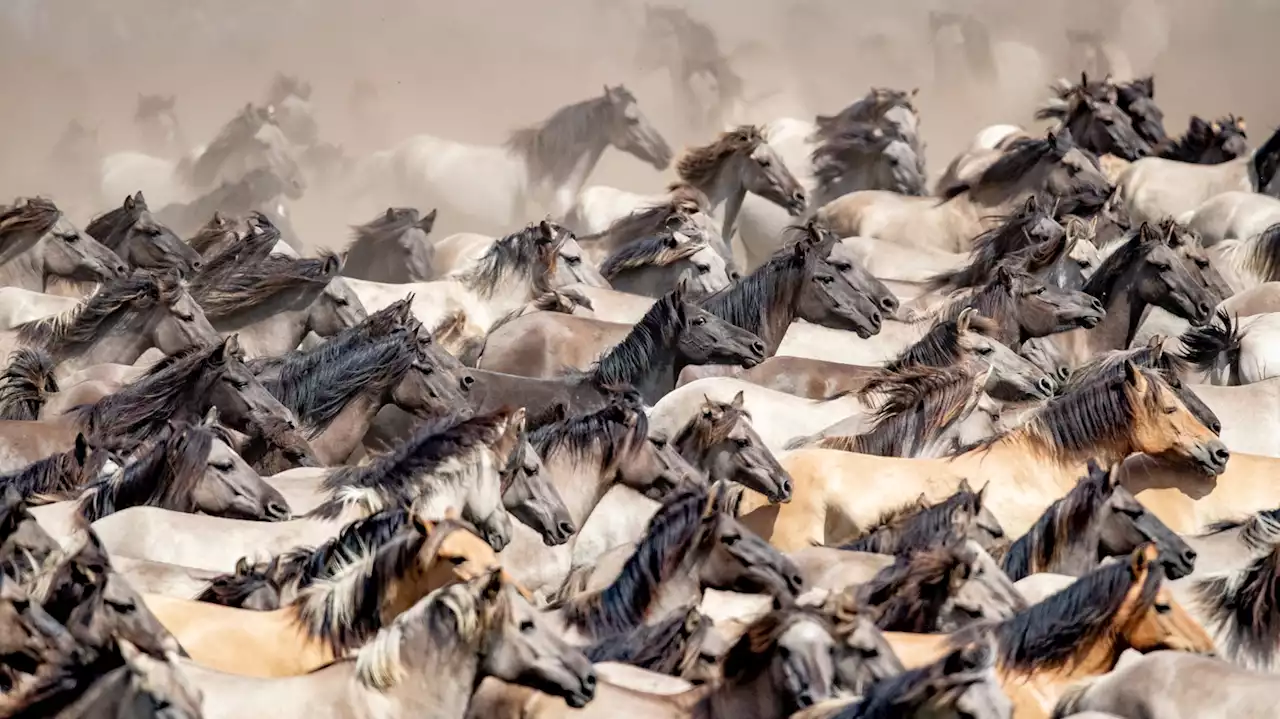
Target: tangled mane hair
point(991, 248)
point(656, 251)
point(709, 426)
point(24, 384)
point(633, 357)
point(1106, 278)
point(908, 595)
point(214, 234)
point(1242, 607)
point(115, 305)
point(940, 346)
point(553, 148)
point(621, 607)
point(1021, 157)
point(409, 473)
point(387, 228)
point(163, 474)
point(917, 404)
point(870, 108)
point(1202, 346)
point(530, 252)
point(31, 216)
point(1259, 530)
point(699, 166)
point(233, 590)
point(615, 431)
point(59, 476)
point(242, 252)
point(1058, 631)
point(252, 284)
point(916, 525)
point(659, 647)
point(1065, 521)
point(753, 652)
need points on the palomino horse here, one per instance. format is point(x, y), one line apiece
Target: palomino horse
point(672, 334)
point(784, 662)
point(1051, 165)
point(1039, 462)
point(38, 243)
point(427, 661)
point(393, 247)
point(439, 470)
point(652, 266)
point(248, 141)
point(1154, 188)
point(186, 469)
point(140, 240)
point(737, 162)
point(332, 617)
point(542, 165)
point(1076, 634)
point(119, 322)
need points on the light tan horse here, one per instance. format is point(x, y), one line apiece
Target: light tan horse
point(1053, 165)
point(1079, 632)
point(332, 616)
point(836, 493)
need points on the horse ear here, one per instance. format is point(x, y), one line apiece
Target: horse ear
point(492, 585)
point(547, 233)
point(671, 242)
point(390, 214)
point(219, 355)
point(964, 486)
point(1197, 126)
point(982, 493)
point(1134, 377)
point(419, 526)
point(332, 266)
point(738, 400)
point(242, 565)
point(1215, 126)
point(232, 344)
point(82, 449)
point(1157, 348)
point(139, 200)
point(428, 221)
point(962, 322)
point(708, 407)
point(1061, 142)
point(1113, 475)
point(1240, 124)
point(1141, 560)
point(210, 418)
point(128, 203)
point(1004, 275)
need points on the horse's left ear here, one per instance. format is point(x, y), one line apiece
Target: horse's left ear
point(332, 266)
point(232, 344)
point(547, 233)
point(1134, 378)
point(492, 585)
point(428, 222)
point(210, 417)
point(1141, 560)
point(738, 400)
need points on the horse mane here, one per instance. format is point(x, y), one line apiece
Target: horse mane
point(554, 147)
point(656, 217)
point(748, 303)
point(940, 346)
point(842, 148)
point(909, 692)
point(344, 609)
point(1104, 280)
point(53, 478)
point(1242, 607)
point(1263, 258)
point(378, 325)
point(241, 252)
point(1111, 364)
point(909, 527)
point(615, 429)
point(320, 384)
point(1064, 523)
point(407, 474)
point(24, 384)
point(752, 654)
point(1259, 530)
point(1063, 628)
point(993, 247)
point(656, 251)
point(870, 108)
point(1021, 157)
point(254, 283)
point(138, 411)
point(658, 647)
point(622, 606)
point(106, 228)
point(699, 166)
point(1204, 344)
point(32, 215)
point(116, 303)
point(164, 474)
point(387, 227)
point(918, 403)
point(993, 301)
point(232, 590)
point(908, 595)
point(634, 356)
point(1090, 417)
point(520, 252)
point(212, 234)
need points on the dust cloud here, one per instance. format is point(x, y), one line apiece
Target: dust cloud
point(476, 70)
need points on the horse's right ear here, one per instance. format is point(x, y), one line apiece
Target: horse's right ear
point(128, 203)
point(390, 215)
point(547, 234)
point(965, 486)
point(492, 585)
point(1134, 377)
point(82, 449)
point(1141, 560)
point(962, 322)
point(428, 221)
point(243, 566)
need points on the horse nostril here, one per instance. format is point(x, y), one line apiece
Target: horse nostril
point(1189, 556)
point(786, 488)
point(1063, 373)
point(1046, 385)
point(197, 265)
point(589, 681)
point(1205, 309)
point(466, 381)
point(876, 319)
point(758, 347)
point(276, 511)
point(122, 269)
point(1222, 454)
point(566, 528)
point(889, 303)
point(1097, 304)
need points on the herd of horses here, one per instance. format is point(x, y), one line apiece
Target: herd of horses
point(798, 436)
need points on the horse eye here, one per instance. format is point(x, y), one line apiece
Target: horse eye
point(843, 267)
point(1170, 410)
point(527, 626)
point(742, 442)
point(223, 466)
point(341, 301)
point(1163, 609)
point(184, 317)
point(71, 238)
point(703, 269)
point(122, 607)
point(1038, 291)
point(573, 260)
point(985, 350)
point(698, 322)
point(764, 162)
point(457, 561)
point(21, 605)
point(730, 539)
point(1202, 264)
point(824, 279)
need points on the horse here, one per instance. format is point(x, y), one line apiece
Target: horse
point(429, 660)
point(331, 616)
point(547, 164)
point(1095, 120)
point(1234, 215)
point(1039, 462)
point(1232, 352)
point(784, 662)
point(262, 189)
point(920, 525)
point(1053, 165)
point(117, 323)
point(158, 125)
point(652, 266)
point(142, 241)
point(1098, 518)
point(186, 469)
point(461, 252)
point(737, 162)
point(672, 334)
point(393, 247)
point(443, 468)
point(721, 441)
point(1154, 188)
point(1076, 634)
point(1208, 143)
point(249, 140)
point(38, 243)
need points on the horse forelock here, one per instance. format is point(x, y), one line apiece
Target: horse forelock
point(517, 253)
point(253, 284)
point(909, 527)
point(699, 166)
point(164, 474)
point(24, 384)
point(993, 246)
point(652, 251)
point(756, 298)
point(753, 653)
point(636, 354)
point(708, 427)
point(603, 435)
point(658, 647)
point(916, 404)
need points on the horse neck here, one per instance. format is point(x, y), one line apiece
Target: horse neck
point(341, 437)
point(23, 269)
point(756, 698)
point(582, 483)
point(449, 491)
point(437, 681)
point(1125, 311)
point(985, 204)
point(122, 345)
point(267, 329)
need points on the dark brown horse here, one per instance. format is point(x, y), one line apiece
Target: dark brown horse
point(142, 241)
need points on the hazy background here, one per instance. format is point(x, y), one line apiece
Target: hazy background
point(475, 70)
